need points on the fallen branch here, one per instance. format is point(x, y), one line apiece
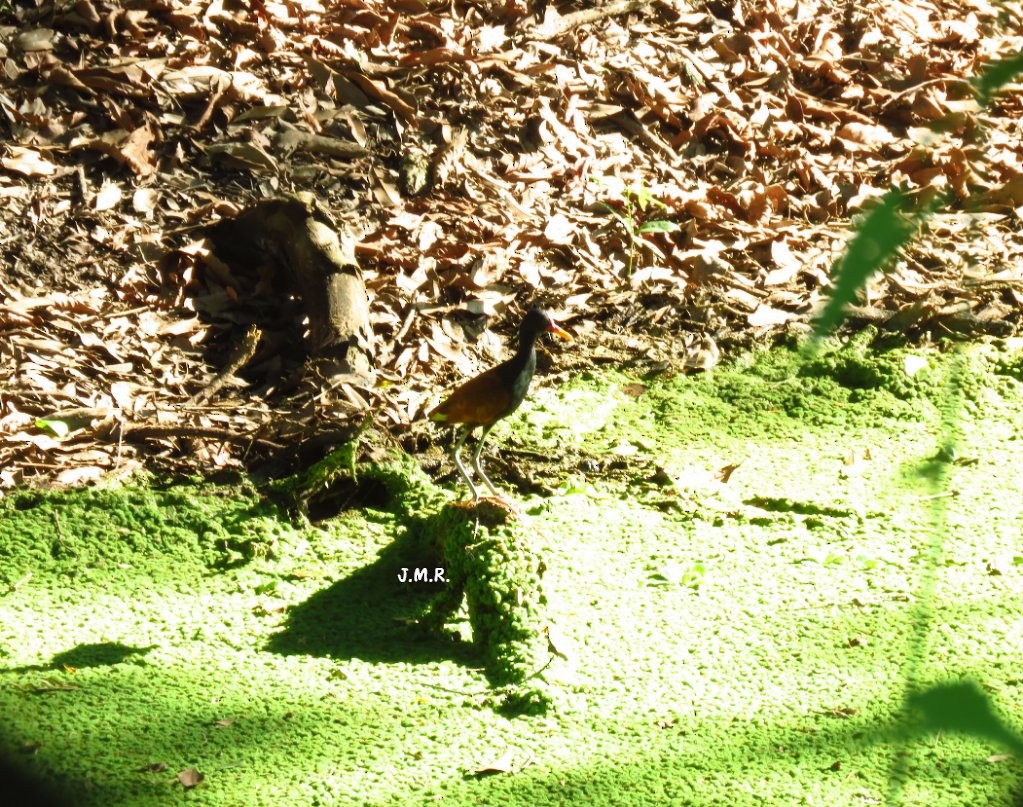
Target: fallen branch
point(554, 26)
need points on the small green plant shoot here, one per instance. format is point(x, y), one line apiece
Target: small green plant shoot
point(637, 201)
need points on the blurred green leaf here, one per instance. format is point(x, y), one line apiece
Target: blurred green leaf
point(832, 559)
point(56, 427)
point(693, 578)
point(658, 226)
point(644, 198)
point(885, 229)
point(996, 75)
point(675, 574)
point(578, 486)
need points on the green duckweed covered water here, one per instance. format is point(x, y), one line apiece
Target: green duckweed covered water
point(739, 642)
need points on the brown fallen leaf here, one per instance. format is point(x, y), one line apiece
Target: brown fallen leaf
point(765, 316)
point(503, 764)
point(702, 353)
point(190, 778)
point(27, 162)
point(725, 473)
point(76, 477)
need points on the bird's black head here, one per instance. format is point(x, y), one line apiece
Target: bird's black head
point(536, 322)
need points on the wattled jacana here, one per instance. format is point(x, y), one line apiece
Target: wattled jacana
point(494, 394)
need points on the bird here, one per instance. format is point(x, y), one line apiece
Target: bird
point(494, 394)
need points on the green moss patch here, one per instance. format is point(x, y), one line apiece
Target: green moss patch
point(98, 531)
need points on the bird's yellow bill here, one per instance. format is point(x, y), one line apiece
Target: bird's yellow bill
point(557, 330)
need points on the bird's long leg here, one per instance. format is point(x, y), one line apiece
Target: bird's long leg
point(458, 460)
point(476, 461)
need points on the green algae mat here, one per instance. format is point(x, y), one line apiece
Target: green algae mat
point(786, 582)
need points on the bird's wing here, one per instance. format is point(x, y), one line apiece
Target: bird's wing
point(479, 401)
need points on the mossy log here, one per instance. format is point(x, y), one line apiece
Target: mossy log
point(489, 559)
point(492, 567)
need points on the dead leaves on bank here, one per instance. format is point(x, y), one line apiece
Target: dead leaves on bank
point(760, 130)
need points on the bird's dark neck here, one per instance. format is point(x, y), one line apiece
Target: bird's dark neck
point(524, 359)
point(519, 369)
point(525, 356)
point(527, 345)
